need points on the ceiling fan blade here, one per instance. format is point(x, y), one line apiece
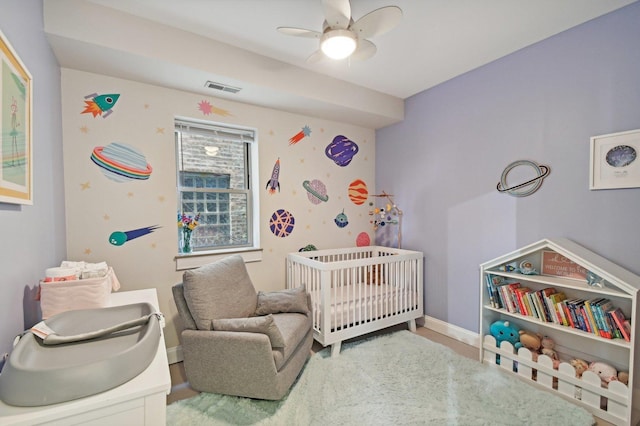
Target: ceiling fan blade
point(365, 50)
point(316, 57)
point(377, 22)
point(299, 32)
point(337, 13)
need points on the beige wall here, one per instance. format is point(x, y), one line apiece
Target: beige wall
point(142, 118)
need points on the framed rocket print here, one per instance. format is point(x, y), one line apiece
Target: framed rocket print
point(16, 157)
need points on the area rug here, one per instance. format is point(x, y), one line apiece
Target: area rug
point(393, 379)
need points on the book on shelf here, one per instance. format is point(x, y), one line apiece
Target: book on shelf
point(493, 281)
point(576, 317)
point(602, 308)
point(603, 330)
point(518, 293)
point(590, 318)
point(555, 310)
point(562, 310)
point(543, 297)
point(585, 317)
point(622, 323)
point(506, 290)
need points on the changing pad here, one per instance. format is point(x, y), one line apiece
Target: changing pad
point(37, 374)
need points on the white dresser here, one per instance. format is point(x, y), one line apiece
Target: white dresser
point(140, 401)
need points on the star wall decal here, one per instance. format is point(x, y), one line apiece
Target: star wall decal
point(84, 129)
point(85, 185)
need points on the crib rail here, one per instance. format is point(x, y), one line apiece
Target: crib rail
point(612, 404)
point(358, 290)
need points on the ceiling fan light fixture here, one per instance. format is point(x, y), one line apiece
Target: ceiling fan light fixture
point(338, 44)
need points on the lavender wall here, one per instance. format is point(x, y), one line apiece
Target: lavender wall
point(542, 103)
point(33, 237)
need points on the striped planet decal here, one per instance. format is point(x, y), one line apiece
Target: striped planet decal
point(282, 223)
point(358, 192)
point(121, 162)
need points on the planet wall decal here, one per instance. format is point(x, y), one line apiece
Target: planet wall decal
point(341, 220)
point(358, 192)
point(282, 223)
point(316, 191)
point(121, 163)
point(341, 150)
point(363, 240)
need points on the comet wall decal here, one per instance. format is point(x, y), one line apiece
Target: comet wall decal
point(306, 131)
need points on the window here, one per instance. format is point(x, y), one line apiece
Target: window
point(215, 181)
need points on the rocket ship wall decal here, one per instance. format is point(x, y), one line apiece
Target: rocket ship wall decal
point(273, 183)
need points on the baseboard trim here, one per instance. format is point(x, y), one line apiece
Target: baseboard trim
point(463, 335)
point(458, 333)
point(174, 354)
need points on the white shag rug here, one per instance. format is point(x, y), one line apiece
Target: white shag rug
point(393, 379)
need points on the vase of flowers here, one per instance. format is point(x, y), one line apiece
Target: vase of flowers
point(186, 225)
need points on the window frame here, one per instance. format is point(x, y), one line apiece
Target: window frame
point(251, 250)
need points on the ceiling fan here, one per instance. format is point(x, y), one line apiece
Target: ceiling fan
point(341, 36)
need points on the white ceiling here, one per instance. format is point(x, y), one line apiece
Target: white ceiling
point(435, 41)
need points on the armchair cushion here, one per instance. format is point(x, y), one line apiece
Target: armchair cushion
point(264, 325)
point(218, 290)
point(293, 300)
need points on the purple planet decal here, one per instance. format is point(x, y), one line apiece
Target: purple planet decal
point(316, 191)
point(282, 223)
point(341, 150)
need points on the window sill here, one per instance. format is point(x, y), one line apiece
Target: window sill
point(197, 259)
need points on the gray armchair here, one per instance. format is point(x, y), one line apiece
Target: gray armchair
point(236, 341)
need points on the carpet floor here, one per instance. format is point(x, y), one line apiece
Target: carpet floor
point(393, 379)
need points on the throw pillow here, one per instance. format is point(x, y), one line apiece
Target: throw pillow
point(264, 325)
point(220, 289)
point(290, 300)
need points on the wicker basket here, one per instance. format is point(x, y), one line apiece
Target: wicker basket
point(61, 296)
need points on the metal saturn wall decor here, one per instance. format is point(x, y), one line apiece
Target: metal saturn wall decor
point(526, 188)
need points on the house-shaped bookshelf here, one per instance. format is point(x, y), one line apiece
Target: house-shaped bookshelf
point(592, 286)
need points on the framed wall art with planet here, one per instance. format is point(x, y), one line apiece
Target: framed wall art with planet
point(614, 161)
point(16, 157)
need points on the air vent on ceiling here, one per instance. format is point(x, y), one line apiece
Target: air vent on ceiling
point(222, 87)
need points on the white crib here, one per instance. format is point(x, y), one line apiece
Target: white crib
point(358, 290)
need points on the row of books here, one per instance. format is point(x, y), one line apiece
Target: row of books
point(598, 316)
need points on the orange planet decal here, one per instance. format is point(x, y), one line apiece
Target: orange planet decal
point(358, 192)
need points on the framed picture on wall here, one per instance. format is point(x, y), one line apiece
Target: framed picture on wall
point(615, 161)
point(16, 157)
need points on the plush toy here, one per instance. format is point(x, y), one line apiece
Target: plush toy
point(623, 377)
point(606, 372)
point(547, 348)
point(529, 340)
point(580, 366)
point(504, 331)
